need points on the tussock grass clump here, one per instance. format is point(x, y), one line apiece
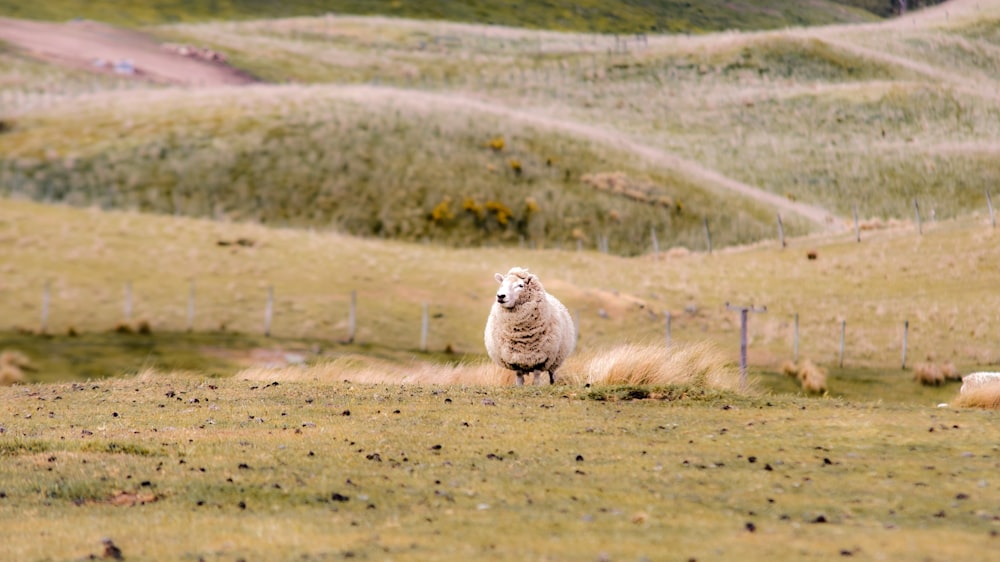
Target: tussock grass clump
point(700, 365)
point(10, 375)
point(986, 397)
point(13, 363)
point(789, 368)
point(812, 377)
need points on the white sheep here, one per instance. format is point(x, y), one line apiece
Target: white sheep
point(975, 380)
point(528, 330)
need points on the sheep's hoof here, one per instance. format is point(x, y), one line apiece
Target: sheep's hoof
point(520, 380)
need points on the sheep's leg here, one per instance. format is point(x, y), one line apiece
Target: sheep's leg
point(520, 379)
point(552, 377)
point(538, 377)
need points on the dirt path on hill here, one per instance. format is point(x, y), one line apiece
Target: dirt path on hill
point(99, 47)
point(722, 184)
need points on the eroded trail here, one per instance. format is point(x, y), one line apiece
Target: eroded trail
point(82, 44)
point(721, 184)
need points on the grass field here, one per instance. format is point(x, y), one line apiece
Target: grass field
point(405, 162)
point(177, 466)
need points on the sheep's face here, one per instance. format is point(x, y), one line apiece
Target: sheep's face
point(510, 290)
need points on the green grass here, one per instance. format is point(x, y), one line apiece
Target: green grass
point(865, 384)
point(604, 17)
point(227, 469)
point(94, 356)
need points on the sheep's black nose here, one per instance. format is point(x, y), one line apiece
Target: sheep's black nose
point(501, 298)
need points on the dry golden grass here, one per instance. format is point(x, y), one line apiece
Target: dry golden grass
point(699, 364)
point(986, 397)
point(812, 377)
point(10, 374)
point(369, 370)
point(14, 357)
point(789, 368)
point(12, 365)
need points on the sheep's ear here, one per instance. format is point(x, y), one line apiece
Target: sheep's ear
point(498, 277)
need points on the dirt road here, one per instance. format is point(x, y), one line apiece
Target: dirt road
point(104, 48)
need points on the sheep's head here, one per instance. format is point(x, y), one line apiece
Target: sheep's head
point(514, 286)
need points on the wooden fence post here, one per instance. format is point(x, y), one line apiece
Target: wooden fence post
point(668, 327)
point(916, 209)
point(708, 237)
point(744, 312)
point(857, 226)
point(128, 301)
point(906, 333)
point(656, 243)
point(46, 300)
point(843, 336)
point(190, 316)
point(781, 231)
point(576, 322)
point(268, 311)
point(795, 341)
point(989, 204)
point(424, 327)
point(352, 317)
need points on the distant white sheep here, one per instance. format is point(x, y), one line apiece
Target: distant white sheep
point(976, 380)
point(528, 331)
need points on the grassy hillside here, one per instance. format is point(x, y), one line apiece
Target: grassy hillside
point(371, 163)
point(816, 115)
point(604, 17)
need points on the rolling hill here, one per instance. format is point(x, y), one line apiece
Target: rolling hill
point(617, 16)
